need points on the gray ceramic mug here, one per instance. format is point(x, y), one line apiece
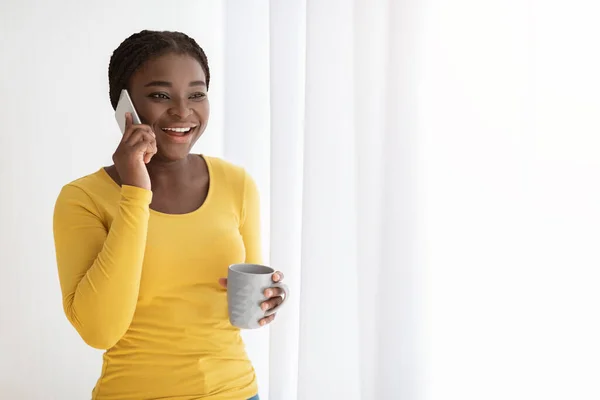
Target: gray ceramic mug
point(246, 285)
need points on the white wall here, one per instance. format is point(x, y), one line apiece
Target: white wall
point(57, 125)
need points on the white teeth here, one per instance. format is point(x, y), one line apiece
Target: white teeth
point(180, 130)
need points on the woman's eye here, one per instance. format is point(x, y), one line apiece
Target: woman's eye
point(161, 96)
point(198, 96)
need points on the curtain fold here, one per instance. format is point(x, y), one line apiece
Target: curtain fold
point(328, 364)
point(355, 227)
point(287, 59)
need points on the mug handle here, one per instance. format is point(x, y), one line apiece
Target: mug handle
point(286, 294)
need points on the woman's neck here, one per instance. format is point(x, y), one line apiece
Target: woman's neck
point(169, 173)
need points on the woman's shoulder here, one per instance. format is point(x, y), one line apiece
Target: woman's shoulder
point(230, 176)
point(223, 164)
point(93, 187)
point(99, 178)
point(226, 169)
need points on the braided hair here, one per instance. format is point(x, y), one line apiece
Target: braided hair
point(138, 48)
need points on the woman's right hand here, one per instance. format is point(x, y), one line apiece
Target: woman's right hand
point(136, 149)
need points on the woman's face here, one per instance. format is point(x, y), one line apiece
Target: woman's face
point(169, 93)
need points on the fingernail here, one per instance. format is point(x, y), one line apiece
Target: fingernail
point(276, 276)
point(262, 323)
point(264, 306)
point(269, 293)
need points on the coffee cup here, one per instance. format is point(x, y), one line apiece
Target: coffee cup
point(246, 285)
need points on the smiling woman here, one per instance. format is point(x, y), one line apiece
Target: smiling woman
point(141, 245)
point(169, 92)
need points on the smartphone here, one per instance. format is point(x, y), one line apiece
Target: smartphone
point(125, 105)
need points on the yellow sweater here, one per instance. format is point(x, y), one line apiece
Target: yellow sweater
point(143, 285)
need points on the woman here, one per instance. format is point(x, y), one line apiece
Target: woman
point(142, 245)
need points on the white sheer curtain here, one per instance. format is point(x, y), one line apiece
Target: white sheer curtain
point(344, 199)
point(433, 197)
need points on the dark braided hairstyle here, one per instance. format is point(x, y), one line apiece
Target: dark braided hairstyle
point(140, 47)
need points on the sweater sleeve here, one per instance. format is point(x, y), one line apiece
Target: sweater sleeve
point(250, 221)
point(100, 269)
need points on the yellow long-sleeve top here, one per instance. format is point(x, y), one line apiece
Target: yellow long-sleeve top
point(143, 285)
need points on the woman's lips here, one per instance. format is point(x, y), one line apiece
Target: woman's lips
point(179, 134)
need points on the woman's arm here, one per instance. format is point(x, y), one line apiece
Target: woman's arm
point(100, 269)
point(250, 221)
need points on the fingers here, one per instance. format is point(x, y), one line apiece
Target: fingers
point(128, 124)
point(274, 291)
point(143, 146)
point(151, 149)
point(277, 276)
point(130, 136)
point(275, 298)
point(267, 320)
point(142, 139)
point(223, 282)
point(271, 303)
point(149, 154)
point(138, 133)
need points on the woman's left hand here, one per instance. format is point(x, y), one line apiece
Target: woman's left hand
point(274, 297)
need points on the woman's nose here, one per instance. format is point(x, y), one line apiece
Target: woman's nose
point(180, 109)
